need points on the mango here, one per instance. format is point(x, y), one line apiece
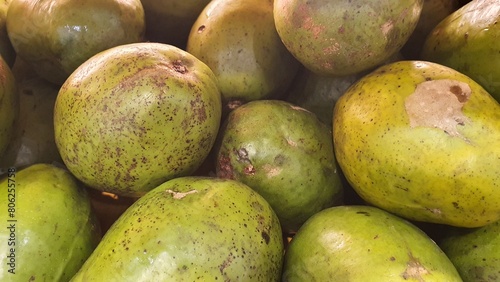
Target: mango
point(50, 228)
point(421, 140)
point(474, 252)
point(283, 152)
point(188, 229)
point(467, 41)
point(237, 39)
point(56, 36)
point(363, 243)
point(345, 37)
point(136, 115)
point(9, 106)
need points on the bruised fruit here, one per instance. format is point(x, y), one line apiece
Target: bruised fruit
point(170, 21)
point(188, 229)
point(56, 36)
point(136, 115)
point(421, 140)
point(237, 39)
point(345, 37)
point(362, 243)
point(467, 41)
point(51, 230)
point(284, 153)
point(474, 252)
point(9, 106)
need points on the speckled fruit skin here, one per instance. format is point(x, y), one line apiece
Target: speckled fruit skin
point(420, 173)
point(474, 252)
point(136, 115)
point(237, 39)
point(55, 228)
point(362, 243)
point(191, 229)
point(347, 36)
point(285, 154)
point(9, 105)
point(467, 40)
point(62, 34)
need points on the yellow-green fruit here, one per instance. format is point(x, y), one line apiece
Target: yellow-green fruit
point(170, 21)
point(467, 41)
point(50, 229)
point(191, 229)
point(421, 140)
point(33, 138)
point(6, 50)
point(345, 37)
point(237, 39)
point(474, 252)
point(136, 115)
point(9, 105)
point(56, 36)
point(362, 243)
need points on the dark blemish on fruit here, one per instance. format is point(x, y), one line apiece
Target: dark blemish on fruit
point(201, 28)
point(266, 237)
point(363, 213)
point(179, 67)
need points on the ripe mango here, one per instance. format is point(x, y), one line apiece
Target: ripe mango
point(188, 229)
point(52, 228)
point(363, 243)
point(421, 140)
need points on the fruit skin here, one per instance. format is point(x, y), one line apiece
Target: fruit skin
point(9, 105)
point(284, 153)
point(237, 39)
point(170, 21)
point(136, 115)
point(421, 172)
point(345, 37)
point(191, 228)
point(62, 34)
point(474, 252)
point(467, 41)
point(55, 227)
point(363, 243)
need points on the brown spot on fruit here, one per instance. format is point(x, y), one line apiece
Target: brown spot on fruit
point(178, 66)
point(414, 270)
point(438, 104)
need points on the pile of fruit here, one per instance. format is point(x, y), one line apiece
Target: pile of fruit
point(250, 140)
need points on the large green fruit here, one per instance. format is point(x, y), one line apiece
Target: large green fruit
point(9, 105)
point(49, 227)
point(56, 36)
point(345, 36)
point(237, 39)
point(170, 21)
point(285, 154)
point(361, 243)
point(467, 41)
point(475, 252)
point(136, 115)
point(423, 141)
point(191, 229)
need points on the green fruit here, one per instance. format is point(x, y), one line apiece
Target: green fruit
point(33, 138)
point(51, 227)
point(62, 34)
point(171, 21)
point(6, 50)
point(9, 105)
point(191, 229)
point(285, 154)
point(475, 252)
point(136, 115)
point(361, 243)
point(237, 39)
point(467, 41)
point(345, 37)
point(421, 140)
